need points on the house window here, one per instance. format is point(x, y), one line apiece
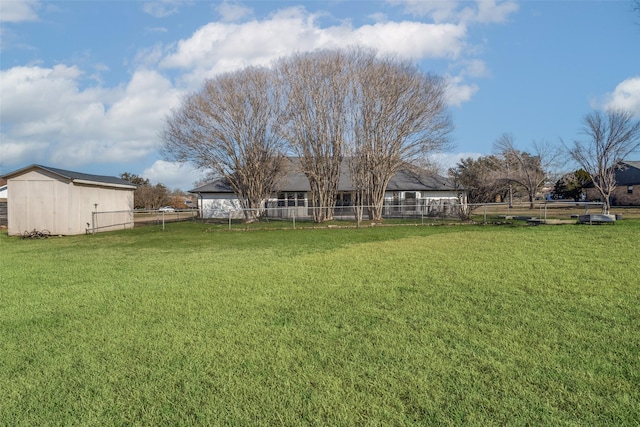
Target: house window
point(343, 199)
point(291, 199)
point(629, 189)
point(410, 199)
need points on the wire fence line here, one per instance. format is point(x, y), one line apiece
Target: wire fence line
point(293, 217)
point(442, 210)
point(118, 220)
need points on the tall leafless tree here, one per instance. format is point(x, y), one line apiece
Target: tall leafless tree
point(479, 180)
point(528, 171)
point(399, 117)
point(315, 87)
point(609, 138)
point(231, 126)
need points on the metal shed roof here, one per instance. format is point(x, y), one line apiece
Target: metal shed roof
point(77, 177)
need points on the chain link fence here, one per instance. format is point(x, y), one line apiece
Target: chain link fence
point(542, 212)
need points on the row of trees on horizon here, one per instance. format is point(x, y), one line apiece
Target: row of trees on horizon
point(149, 196)
point(609, 137)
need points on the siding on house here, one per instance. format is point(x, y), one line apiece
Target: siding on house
point(626, 195)
point(627, 191)
point(3, 213)
point(408, 192)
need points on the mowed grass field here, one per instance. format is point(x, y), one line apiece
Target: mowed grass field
point(434, 325)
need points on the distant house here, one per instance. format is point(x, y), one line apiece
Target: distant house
point(66, 202)
point(3, 189)
point(627, 191)
point(3, 202)
point(410, 192)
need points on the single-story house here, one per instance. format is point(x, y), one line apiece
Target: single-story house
point(627, 190)
point(65, 202)
point(409, 192)
point(3, 189)
point(3, 202)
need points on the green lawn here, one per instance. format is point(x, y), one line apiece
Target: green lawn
point(434, 325)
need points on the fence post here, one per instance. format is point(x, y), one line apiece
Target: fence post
point(94, 218)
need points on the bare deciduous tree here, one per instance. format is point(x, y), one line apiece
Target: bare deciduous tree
point(391, 115)
point(147, 196)
point(231, 126)
point(399, 118)
point(526, 170)
point(315, 89)
point(610, 137)
point(479, 180)
point(151, 196)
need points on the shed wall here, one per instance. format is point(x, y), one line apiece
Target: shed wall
point(35, 203)
point(42, 201)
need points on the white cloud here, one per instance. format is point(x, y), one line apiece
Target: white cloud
point(458, 91)
point(483, 11)
point(18, 10)
point(450, 160)
point(62, 115)
point(474, 68)
point(231, 12)
point(30, 91)
point(162, 8)
point(156, 30)
point(15, 151)
point(626, 96)
point(413, 40)
point(47, 107)
point(488, 11)
point(172, 175)
point(378, 17)
point(439, 11)
point(221, 47)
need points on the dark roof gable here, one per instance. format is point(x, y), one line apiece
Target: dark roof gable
point(629, 174)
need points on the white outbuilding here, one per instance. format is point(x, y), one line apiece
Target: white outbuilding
point(65, 202)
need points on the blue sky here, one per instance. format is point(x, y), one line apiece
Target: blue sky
point(86, 85)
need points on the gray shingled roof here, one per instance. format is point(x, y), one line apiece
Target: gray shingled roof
point(71, 175)
point(629, 175)
point(220, 185)
point(405, 180)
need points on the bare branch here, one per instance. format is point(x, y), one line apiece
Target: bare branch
point(609, 138)
point(232, 127)
point(528, 171)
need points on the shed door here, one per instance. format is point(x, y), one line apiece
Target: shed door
point(35, 206)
